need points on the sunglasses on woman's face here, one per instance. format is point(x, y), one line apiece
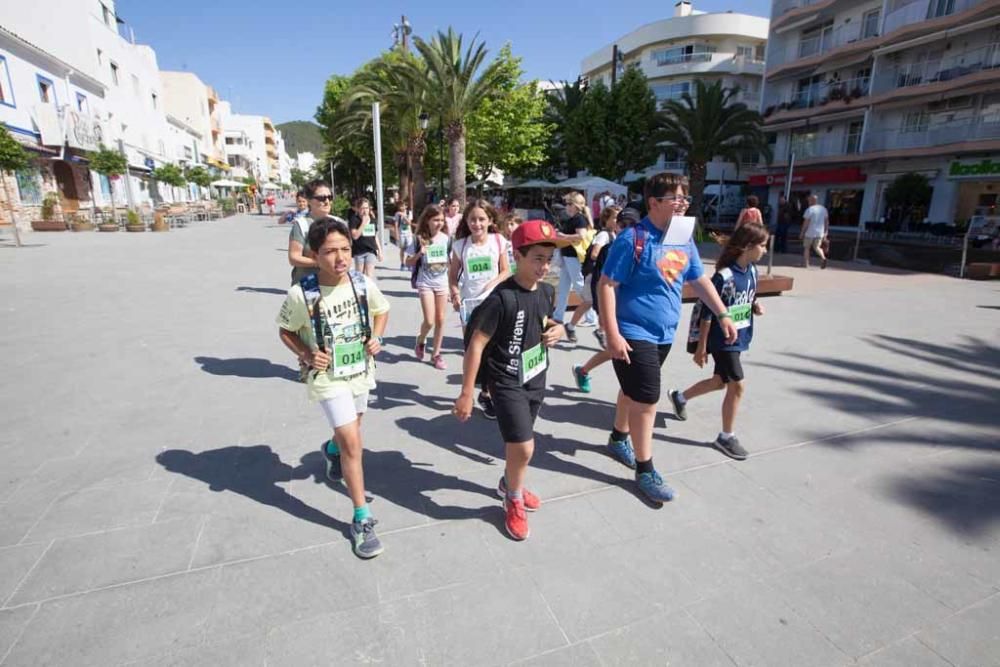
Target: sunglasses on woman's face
point(682, 199)
point(323, 198)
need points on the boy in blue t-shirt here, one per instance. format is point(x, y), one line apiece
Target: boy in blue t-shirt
point(640, 305)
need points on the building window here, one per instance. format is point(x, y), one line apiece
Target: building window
point(154, 101)
point(6, 89)
point(869, 24)
point(100, 57)
point(46, 91)
point(82, 105)
point(813, 41)
point(671, 91)
point(916, 121)
point(114, 73)
point(684, 54)
point(163, 148)
point(853, 142)
point(29, 186)
point(108, 16)
point(941, 8)
point(135, 86)
point(743, 51)
point(105, 185)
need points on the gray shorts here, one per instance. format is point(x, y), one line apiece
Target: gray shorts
point(364, 260)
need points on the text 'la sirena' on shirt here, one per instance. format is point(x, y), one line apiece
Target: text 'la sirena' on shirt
point(648, 297)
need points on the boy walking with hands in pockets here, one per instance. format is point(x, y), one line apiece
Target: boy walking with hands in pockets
point(511, 333)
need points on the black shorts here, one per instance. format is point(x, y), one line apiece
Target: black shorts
point(516, 409)
point(640, 380)
point(728, 366)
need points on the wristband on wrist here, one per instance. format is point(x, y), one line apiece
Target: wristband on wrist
point(724, 315)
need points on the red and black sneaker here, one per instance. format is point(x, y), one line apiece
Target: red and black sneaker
point(516, 521)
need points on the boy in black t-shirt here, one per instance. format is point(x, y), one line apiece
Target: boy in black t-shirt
point(511, 332)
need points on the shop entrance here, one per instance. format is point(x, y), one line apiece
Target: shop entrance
point(66, 181)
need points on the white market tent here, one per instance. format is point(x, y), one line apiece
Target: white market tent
point(226, 183)
point(591, 186)
point(270, 186)
point(532, 185)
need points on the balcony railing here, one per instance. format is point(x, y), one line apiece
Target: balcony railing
point(785, 6)
point(922, 10)
point(937, 135)
point(826, 146)
point(823, 42)
point(821, 94)
point(935, 71)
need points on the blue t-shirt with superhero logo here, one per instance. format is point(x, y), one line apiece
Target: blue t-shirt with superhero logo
point(648, 297)
point(737, 287)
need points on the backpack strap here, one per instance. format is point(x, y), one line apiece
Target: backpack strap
point(312, 295)
point(359, 285)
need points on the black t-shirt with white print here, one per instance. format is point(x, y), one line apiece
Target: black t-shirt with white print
point(507, 351)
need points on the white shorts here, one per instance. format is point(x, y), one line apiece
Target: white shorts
point(405, 239)
point(343, 409)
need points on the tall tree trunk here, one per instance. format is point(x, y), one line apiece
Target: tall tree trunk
point(698, 171)
point(111, 186)
point(10, 209)
point(456, 145)
point(419, 184)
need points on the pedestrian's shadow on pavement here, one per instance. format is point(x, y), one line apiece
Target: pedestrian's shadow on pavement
point(247, 367)
point(390, 475)
point(251, 471)
point(262, 290)
point(395, 394)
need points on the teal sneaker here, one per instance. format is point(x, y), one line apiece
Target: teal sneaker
point(334, 472)
point(621, 451)
point(582, 379)
point(364, 541)
point(653, 487)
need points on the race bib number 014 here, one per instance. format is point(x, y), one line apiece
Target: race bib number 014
point(479, 265)
point(437, 254)
point(741, 315)
point(533, 362)
point(349, 359)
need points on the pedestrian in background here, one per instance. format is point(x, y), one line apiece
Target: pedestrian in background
point(750, 213)
point(815, 228)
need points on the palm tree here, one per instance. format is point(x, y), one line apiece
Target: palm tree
point(387, 81)
point(707, 125)
point(564, 103)
point(453, 91)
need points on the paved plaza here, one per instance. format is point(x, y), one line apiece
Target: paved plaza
point(162, 498)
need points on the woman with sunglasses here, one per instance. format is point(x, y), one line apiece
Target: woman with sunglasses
point(319, 197)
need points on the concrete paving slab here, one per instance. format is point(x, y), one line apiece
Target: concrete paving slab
point(970, 637)
point(672, 638)
point(15, 564)
point(907, 653)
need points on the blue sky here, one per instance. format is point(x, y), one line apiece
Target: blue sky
point(272, 58)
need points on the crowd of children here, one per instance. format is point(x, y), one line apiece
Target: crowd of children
point(630, 270)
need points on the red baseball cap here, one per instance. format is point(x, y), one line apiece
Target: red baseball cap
point(533, 232)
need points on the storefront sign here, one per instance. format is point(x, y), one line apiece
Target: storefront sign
point(84, 132)
point(811, 177)
point(982, 169)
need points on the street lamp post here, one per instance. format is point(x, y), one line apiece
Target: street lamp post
point(424, 120)
point(441, 159)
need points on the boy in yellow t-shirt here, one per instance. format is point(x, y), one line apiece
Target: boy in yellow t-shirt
point(333, 322)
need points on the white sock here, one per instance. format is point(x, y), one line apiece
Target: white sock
point(726, 436)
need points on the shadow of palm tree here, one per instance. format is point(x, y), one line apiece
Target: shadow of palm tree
point(959, 390)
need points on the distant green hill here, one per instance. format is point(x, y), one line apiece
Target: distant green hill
point(301, 136)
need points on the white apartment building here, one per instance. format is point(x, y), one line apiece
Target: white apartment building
point(261, 152)
point(240, 154)
point(862, 91)
point(688, 46)
point(57, 112)
point(284, 176)
point(191, 100)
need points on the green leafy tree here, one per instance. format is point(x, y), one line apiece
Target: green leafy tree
point(352, 152)
point(564, 150)
point(109, 163)
point(170, 174)
point(199, 176)
point(456, 84)
point(12, 158)
point(907, 198)
point(299, 177)
point(710, 124)
point(509, 131)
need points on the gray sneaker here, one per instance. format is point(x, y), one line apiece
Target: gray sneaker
point(731, 447)
point(680, 407)
point(364, 541)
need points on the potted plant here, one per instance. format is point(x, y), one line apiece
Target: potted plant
point(79, 223)
point(111, 164)
point(48, 223)
point(133, 223)
point(160, 223)
point(107, 227)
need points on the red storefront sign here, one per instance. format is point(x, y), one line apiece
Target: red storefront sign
point(811, 177)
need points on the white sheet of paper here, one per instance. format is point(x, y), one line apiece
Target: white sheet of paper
point(680, 230)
